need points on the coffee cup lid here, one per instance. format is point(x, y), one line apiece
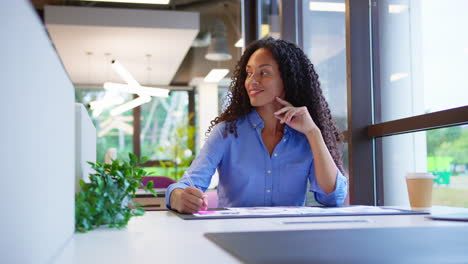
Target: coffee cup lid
point(419, 175)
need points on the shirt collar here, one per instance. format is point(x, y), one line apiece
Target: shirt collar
point(257, 122)
point(254, 119)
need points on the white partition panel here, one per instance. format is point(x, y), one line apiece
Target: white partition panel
point(85, 145)
point(37, 138)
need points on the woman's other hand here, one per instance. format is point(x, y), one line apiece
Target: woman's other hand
point(189, 200)
point(296, 117)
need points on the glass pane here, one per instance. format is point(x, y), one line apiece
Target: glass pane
point(164, 123)
point(422, 55)
point(324, 42)
point(112, 132)
point(223, 101)
point(324, 35)
point(443, 152)
point(166, 134)
point(269, 17)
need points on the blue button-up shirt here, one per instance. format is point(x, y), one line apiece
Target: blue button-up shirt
point(249, 176)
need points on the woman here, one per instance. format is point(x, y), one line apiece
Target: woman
point(276, 134)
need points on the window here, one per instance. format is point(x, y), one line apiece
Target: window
point(166, 136)
point(269, 19)
point(419, 59)
point(112, 132)
point(423, 57)
point(161, 120)
point(163, 127)
point(443, 152)
point(324, 42)
point(390, 114)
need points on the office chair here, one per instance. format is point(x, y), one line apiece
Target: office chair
point(159, 182)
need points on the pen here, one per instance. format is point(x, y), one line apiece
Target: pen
point(190, 180)
point(193, 185)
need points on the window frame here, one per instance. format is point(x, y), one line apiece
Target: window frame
point(363, 73)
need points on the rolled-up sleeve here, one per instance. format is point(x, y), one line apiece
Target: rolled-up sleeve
point(204, 165)
point(337, 197)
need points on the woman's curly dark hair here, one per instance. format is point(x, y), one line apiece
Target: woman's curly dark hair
point(301, 86)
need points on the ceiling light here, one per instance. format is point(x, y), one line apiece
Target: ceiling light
point(394, 9)
point(157, 2)
point(216, 75)
point(239, 43)
point(218, 50)
point(150, 91)
point(264, 30)
point(130, 105)
point(397, 76)
point(107, 101)
point(327, 6)
point(118, 122)
point(203, 39)
point(124, 74)
point(134, 87)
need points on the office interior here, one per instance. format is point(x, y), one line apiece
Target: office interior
point(392, 71)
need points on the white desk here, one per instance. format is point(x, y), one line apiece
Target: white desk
point(163, 237)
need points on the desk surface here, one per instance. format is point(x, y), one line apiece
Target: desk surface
point(163, 237)
point(143, 193)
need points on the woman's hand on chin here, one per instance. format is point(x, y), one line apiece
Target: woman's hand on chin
point(296, 117)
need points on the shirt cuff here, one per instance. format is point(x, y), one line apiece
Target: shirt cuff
point(337, 197)
point(172, 187)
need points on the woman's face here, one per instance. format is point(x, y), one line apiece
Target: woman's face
point(263, 82)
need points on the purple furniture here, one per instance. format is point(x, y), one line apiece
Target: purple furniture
point(159, 182)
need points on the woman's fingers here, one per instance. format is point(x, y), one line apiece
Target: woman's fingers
point(285, 114)
point(289, 115)
point(283, 102)
point(205, 202)
point(188, 208)
point(283, 110)
point(194, 191)
point(300, 115)
point(192, 200)
point(196, 200)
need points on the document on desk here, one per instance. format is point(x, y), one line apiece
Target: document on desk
point(294, 211)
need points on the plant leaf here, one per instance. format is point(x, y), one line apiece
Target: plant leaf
point(106, 199)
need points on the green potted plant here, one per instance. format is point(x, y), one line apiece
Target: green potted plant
point(106, 199)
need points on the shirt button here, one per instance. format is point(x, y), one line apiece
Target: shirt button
point(269, 171)
point(254, 125)
point(284, 140)
point(275, 154)
point(268, 191)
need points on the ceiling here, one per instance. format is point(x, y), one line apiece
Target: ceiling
point(88, 35)
point(150, 44)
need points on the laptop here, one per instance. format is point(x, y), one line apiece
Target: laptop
point(459, 216)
